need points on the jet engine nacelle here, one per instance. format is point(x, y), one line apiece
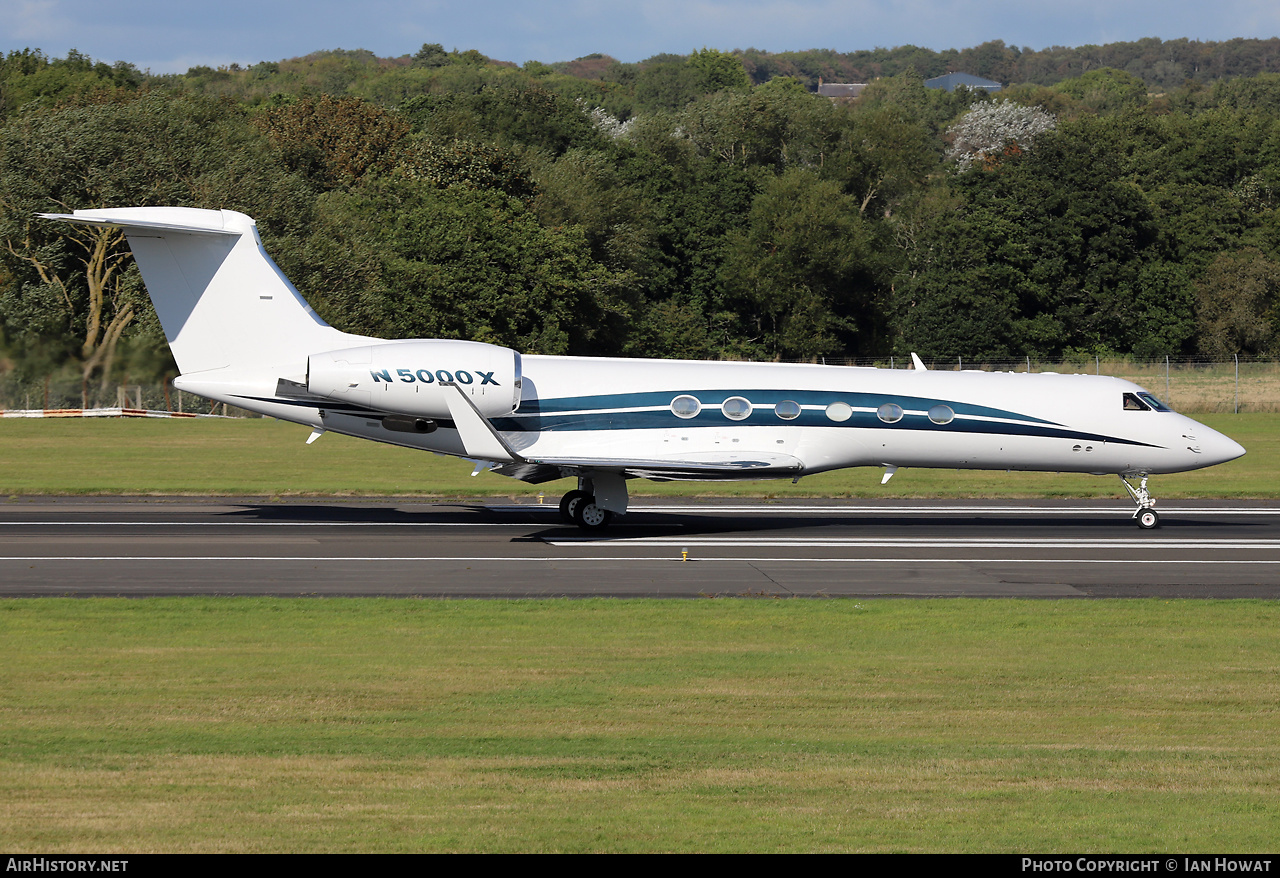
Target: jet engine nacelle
point(408, 377)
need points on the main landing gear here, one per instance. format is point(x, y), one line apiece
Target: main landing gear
point(593, 504)
point(1145, 514)
point(579, 507)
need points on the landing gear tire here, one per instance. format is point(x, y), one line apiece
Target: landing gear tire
point(1145, 513)
point(588, 516)
point(569, 502)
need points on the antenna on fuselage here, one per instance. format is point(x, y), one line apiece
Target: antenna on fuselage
point(917, 363)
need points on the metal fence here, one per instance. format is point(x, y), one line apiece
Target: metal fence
point(1189, 385)
point(69, 392)
point(1186, 384)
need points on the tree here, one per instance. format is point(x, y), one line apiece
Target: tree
point(666, 83)
point(334, 141)
point(431, 55)
point(669, 82)
point(717, 70)
point(525, 115)
point(72, 287)
point(27, 76)
point(880, 158)
point(466, 164)
point(959, 294)
point(588, 189)
point(99, 258)
point(1106, 90)
point(798, 273)
point(933, 108)
point(1238, 305)
point(1053, 252)
point(993, 130)
point(406, 259)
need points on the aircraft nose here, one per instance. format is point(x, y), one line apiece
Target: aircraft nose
point(1216, 448)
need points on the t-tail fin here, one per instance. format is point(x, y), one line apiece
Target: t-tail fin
point(220, 298)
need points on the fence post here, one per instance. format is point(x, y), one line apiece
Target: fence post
point(1168, 397)
point(1236, 357)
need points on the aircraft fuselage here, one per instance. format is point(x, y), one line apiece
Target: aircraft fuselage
point(795, 419)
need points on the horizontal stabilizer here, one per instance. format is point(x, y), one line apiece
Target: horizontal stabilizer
point(156, 219)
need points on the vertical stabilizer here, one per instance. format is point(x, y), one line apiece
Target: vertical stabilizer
point(220, 298)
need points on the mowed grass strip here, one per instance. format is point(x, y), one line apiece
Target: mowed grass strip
point(206, 724)
point(263, 457)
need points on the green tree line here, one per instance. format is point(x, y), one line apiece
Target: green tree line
point(687, 206)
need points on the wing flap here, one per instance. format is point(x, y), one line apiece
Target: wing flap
point(744, 468)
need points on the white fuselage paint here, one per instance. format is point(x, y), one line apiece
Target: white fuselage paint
point(1037, 421)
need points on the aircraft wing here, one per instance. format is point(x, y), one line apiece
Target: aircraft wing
point(546, 469)
point(483, 442)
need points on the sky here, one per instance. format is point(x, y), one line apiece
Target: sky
point(172, 36)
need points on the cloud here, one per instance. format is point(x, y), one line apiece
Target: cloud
point(34, 20)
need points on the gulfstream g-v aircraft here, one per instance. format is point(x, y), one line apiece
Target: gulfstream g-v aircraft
point(241, 334)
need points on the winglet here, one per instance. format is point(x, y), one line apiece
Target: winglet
point(480, 440)
point(916, 362)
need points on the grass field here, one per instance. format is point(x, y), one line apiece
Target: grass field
point(262, 457)
point(206, 724)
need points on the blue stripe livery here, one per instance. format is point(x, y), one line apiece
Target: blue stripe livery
point(608, 412)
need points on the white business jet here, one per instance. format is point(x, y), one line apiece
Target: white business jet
point(241, 334)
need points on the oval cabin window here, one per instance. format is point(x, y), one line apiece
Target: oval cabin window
point(788, 410)
point(736, 408)
point(839, 411)
point(685, 406)
point(890, 413)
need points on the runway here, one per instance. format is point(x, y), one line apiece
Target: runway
point(136, 548)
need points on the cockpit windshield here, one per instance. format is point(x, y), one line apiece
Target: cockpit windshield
point(1143, 402)
point(1150, 400)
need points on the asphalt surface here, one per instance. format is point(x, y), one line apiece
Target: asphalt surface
point(493, 549)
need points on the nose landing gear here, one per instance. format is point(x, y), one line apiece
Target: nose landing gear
point(1145, 514)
